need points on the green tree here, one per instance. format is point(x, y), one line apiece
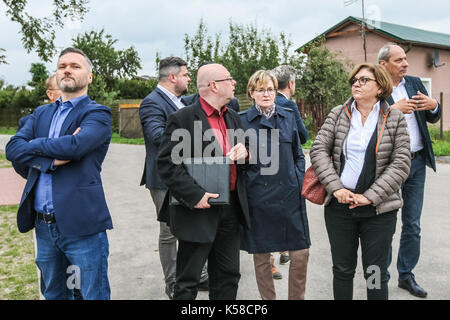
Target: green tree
point(136, 88)
point(39, 75)
point(323, 82)
point(248, 49)
point(200, 48)
point(38, 34)
point(109, 64)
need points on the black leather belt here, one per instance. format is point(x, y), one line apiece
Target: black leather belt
point(47, 218)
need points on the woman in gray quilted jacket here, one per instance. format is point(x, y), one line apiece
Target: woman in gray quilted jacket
point(361, 156)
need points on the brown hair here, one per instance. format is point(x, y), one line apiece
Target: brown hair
point(383, 78)
point(259, 78)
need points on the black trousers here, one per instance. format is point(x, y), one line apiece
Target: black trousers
point(223, 260)
point(345, 231)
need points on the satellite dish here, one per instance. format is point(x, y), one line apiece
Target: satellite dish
point(436, 59)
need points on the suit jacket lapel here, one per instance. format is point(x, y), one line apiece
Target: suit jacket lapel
point(409, 88)
point(390, 100)
point(45, 121)
point(418, 114)
point(166, 99)
point(73, 115)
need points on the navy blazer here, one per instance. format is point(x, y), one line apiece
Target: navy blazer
point(412, 85)
point(193, 98)
point(286, 103)
point(78, 196)
point(153, 112)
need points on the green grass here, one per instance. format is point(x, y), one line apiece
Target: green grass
point(5, 130)
point(4, 163)
point(18, 273)
point(116, 138)
point(441, 147)
point(308, 144)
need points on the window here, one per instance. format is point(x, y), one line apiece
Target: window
point(427, 84)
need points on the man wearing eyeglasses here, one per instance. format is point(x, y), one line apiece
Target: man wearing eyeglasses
point(193, 98)
point(410, 96)
point(52, 90)
point(206, 231)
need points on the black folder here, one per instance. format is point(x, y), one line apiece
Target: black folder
point(212, 174)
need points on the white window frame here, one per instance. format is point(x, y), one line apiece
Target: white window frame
point(428, 85)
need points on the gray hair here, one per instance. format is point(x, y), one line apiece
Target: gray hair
point(170, 65)
point(284, 74)
point(385, 52)
point(75, 50)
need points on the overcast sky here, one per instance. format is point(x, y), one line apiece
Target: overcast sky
point(159, 26)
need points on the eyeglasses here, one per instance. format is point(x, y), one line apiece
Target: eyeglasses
point(362, 81)
point(269, 91)
point(227, 79)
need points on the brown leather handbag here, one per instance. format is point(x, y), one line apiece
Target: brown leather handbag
point(312, 189)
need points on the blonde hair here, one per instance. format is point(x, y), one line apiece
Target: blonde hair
point(382, 77)
point(260, 78)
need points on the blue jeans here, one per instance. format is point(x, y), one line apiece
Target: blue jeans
point(68, 263)
point(412, 193)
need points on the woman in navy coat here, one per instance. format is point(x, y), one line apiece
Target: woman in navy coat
point(277, 209)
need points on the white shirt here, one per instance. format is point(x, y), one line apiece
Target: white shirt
point(176, 100)
point(398, 93)
point(279, 92)
point(356, 143)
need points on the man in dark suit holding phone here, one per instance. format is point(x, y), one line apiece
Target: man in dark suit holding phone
point(410, 96)
point(206, 231)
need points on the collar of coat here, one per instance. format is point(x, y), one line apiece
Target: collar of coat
point(253, 113)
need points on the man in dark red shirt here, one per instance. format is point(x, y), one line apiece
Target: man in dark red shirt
point(206, 231)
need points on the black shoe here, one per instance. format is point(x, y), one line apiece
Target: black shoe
point(170, 291)
point(284, 258)
point(203, 286)
point(411, 285)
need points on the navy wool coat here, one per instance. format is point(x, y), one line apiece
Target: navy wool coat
point(277, 209)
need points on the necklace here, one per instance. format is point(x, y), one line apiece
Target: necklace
point(362, 114)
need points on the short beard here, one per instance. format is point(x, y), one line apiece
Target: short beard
point(70, 89)
point(76, 87)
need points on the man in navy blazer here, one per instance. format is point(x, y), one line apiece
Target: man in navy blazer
point(63, 144)
point(173, 81)
point(286, 87)
point(410, 96)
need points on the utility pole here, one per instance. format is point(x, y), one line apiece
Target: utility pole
point(363, 31)
point(363, 24)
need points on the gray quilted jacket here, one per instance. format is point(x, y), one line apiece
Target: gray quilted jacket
point(393, 155)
